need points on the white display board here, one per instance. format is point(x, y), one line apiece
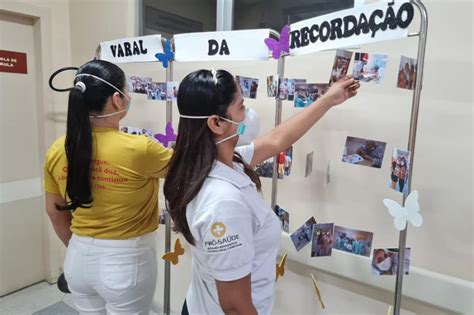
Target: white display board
point(132, 49)
point(352, 27)
point(216, 46)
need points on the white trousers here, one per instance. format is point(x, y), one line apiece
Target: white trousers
point(112, 276)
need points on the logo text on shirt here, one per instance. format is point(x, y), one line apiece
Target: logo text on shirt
point(221, 243)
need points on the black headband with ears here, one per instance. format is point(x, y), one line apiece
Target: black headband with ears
point(51, 78)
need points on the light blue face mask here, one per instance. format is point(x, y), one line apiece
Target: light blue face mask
point(240, 126)
point(83, 88)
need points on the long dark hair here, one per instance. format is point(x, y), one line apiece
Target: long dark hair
point(195, 153)
point(79, 142)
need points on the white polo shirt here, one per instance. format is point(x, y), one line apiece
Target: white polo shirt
point(236, 234)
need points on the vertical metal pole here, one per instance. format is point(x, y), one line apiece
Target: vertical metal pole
point(278, 110)
point(224, 15)
point(167, 282)
point(411, 144)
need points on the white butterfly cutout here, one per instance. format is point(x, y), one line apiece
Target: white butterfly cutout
point(407, 213)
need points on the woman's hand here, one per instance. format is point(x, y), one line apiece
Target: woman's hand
point(342, 90)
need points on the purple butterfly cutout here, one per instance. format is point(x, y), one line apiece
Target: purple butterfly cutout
point(168, 137)
point(281, 46)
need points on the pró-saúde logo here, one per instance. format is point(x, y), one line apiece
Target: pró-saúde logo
point(218, 229)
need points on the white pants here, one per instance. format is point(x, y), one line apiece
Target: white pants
point(112, 276)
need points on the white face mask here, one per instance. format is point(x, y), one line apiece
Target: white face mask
point(252, 128)
point(385, 265)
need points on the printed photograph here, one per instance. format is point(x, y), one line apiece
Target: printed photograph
point(307, 93)
point(172, 91)
point(385, 261)
point(369, 67)
point(162, 216)
point(272, 86)
point(138, 84)
point(284, 89)
point(302, 236)
point(407, 73)
point(364, 152)
point(292, 87)
point(248, 86)
point(352, 241)
point(400, 170)
point(309, 164)
point(284, 218)
point(341, 65)
point(322, 240)
point(156, 91)
point(138, 131)
point(285, 161)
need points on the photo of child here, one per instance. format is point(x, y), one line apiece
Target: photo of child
point(385, 261)
point(302, 236)
point(369, 67)
point(407, 72)
point(307, 93)
point(364, 152)
point(248, 86)
point(353, 241)
point(322, 240)
point(400, 170)
point(341, 65)
point(284, 218)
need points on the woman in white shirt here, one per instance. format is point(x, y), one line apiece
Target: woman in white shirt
point(214, 195)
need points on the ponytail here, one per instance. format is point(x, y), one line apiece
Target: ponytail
point(78, 147)
point(94, 83)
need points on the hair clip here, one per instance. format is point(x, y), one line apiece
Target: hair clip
point(81, 85)
point(214, 75)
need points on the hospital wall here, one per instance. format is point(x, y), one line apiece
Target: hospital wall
point(353, 198)
point(52, 38)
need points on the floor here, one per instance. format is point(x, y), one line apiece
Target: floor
point(33, 299)
point(40, 299)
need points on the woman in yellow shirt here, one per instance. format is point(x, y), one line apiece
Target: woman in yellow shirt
point(102, 196)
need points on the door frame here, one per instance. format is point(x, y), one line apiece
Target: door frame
point(41, 16)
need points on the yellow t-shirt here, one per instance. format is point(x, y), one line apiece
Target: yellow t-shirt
point(124, 179)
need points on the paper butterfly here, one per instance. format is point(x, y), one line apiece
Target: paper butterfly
point(280, 267)
point(167, 56)
point(318, 292)
point(168, 137)
point(403, 214)
point(173, 257)
point(281, 46)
